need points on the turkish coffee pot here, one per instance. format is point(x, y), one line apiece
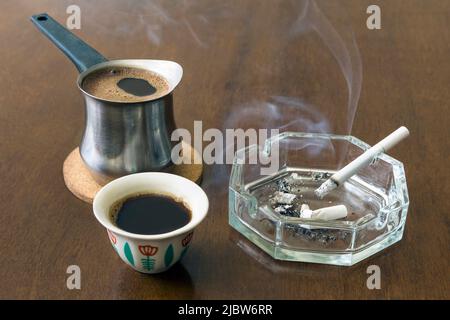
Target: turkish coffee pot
point(119, 138)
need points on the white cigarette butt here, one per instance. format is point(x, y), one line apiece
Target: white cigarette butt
point(330, 213)
point(327, 213)
point(304, 207)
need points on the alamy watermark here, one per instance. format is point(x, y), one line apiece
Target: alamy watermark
point(374, 280)
point(222, 146)
point(373, 22)
point(74, 19)
point(74, 279)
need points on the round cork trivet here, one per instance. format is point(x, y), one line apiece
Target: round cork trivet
point(80, 182)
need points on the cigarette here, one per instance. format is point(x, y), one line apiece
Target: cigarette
point(362, 161)
point(327, 213)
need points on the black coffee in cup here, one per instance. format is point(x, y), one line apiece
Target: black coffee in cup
point(150, 214)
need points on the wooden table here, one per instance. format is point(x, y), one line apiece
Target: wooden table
point(243, 61)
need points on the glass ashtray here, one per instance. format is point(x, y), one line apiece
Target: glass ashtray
point(376, 199)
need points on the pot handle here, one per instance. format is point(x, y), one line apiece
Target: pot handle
point(79, 52)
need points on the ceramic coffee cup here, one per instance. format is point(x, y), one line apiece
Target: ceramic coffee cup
point(151, 253)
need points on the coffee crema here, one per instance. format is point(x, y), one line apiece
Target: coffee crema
point(149, 214)
point(125, 84)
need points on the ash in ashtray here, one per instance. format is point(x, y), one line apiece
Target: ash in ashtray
point(324, 236)
point(283, 185)
point(287, 200)
point(320, 176)
point(291, 194)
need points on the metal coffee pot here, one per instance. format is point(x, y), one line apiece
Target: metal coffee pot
point(119, 138)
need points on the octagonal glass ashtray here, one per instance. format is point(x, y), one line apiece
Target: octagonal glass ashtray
point(376, 199)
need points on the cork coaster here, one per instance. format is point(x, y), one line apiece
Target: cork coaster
point(80, 182)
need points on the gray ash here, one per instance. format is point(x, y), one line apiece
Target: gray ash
point(324, 236)
point(283, 205)
point(284, 201)
point(283, 185)
point(289, 212)
point(319, 176)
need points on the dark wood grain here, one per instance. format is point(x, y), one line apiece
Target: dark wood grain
point(235, 54)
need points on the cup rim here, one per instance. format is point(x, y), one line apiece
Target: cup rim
point(100, 216)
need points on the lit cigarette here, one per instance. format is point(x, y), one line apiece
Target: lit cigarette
point(362, 161)
point(327, 213)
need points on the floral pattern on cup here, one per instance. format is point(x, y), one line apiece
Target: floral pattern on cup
point(112, 237)
point(187, 239)
point(148, 251)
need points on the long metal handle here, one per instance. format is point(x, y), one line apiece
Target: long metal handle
point(79, 52)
